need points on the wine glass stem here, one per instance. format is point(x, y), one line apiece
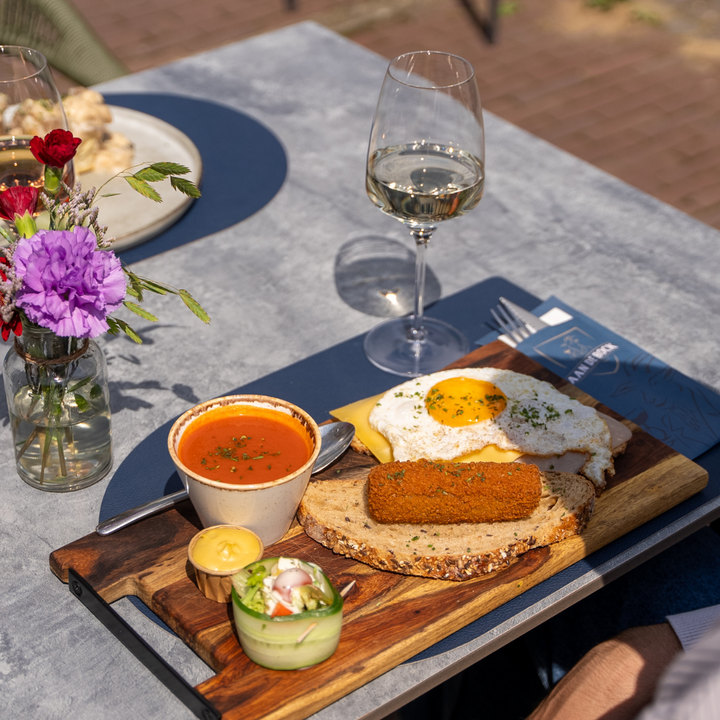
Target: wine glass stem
point(416, 333)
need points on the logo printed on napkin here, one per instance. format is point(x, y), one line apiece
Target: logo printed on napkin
point(576, 346)
point(672, 407)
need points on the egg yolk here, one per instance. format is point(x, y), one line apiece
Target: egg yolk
point(462, 401)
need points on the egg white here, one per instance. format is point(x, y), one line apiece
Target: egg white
point(538, 420)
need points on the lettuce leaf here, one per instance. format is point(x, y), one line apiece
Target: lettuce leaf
point(249, 587)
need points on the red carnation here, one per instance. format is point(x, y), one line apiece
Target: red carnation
point(57, 149)
point(15, 324)
point(17, 200)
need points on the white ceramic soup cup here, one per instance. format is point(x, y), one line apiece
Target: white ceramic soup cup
point(268, 508)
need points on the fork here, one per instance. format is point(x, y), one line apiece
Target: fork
point(511, 324)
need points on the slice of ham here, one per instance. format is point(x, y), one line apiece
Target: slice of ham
point(572, 462)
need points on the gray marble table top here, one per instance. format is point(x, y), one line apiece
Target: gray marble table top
point(549, 223)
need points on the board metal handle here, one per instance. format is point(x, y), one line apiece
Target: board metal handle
point(173, 681)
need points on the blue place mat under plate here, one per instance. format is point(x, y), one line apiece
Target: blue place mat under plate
point(341, 375)
point(253, 159)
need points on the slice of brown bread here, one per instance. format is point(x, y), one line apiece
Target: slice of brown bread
point(335, 513)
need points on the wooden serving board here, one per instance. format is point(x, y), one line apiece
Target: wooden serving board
point(388, 618)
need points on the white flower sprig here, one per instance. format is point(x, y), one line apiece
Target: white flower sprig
point(78, 211)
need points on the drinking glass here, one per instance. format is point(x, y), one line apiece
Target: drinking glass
point(29, 105)
point(425, 164)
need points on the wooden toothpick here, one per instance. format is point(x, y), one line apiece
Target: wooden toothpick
point(307, 632)
point(347, 589)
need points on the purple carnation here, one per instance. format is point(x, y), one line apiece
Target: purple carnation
point(69, 286)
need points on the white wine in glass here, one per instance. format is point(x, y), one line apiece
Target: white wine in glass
point(30, 105)
point(425, 165)
point(421, 184)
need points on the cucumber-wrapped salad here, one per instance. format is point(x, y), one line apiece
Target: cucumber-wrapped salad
point(287, 613)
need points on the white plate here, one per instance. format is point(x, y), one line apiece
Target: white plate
point(130, 217)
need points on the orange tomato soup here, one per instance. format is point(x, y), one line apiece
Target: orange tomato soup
point(245, 445)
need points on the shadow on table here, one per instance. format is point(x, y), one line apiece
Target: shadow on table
point(376, 275)
point(126, 394)
point(244, 166)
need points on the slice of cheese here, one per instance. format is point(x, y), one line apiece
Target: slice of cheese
point(358, 413)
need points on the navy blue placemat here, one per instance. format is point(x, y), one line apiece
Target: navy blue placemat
point(318, 384)
point(244, 166)
point(341, 375)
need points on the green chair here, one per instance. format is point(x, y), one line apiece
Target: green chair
point(58, 31)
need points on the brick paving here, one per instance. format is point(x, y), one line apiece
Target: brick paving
point(639, 99)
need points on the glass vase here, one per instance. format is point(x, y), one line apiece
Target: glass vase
point(59, 406)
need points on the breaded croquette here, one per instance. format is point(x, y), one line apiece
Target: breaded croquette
point(442, 492)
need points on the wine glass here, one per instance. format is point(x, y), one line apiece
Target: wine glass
point(425, 164)
point(29, 105)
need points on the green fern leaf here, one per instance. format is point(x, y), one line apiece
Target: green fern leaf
point(194, 306)
point(149, 174)
point(185, 187)
point(142, 312)
point(143, 188)
point(169, 168)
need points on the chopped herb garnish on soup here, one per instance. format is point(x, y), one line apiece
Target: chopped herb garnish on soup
point(229, 439)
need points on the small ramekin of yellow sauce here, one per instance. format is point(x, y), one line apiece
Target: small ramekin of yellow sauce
point(217, 553)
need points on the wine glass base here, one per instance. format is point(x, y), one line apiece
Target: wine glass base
point(389, 347)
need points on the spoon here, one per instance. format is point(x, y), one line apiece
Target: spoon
point(335, 436)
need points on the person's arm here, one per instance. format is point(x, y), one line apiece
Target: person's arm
point(616, 679)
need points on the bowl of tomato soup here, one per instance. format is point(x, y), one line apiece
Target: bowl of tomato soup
point(245, 460)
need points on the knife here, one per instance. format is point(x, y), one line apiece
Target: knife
point(530, 321)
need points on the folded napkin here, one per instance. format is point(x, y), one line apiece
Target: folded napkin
point(675, 409)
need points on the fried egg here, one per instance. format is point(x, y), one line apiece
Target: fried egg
point(451, 413)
